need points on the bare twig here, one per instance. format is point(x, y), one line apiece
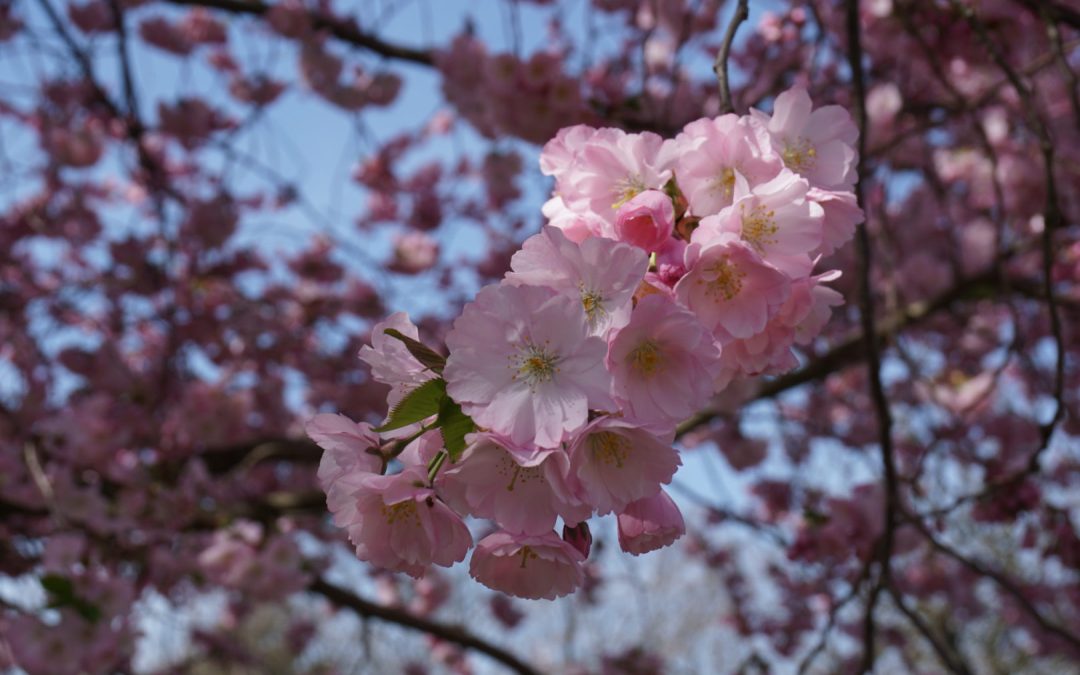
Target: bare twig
point(720, 66)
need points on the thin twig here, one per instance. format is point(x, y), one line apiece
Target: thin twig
point(954, 662)
point(1007, 584)
point(720, 66)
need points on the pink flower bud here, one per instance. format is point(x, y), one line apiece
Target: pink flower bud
point(650, 524)
point(579, 537)
point(646, 220)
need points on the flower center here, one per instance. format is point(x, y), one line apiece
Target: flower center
point(759, 226)
point(534, 364)
point(609, 448)
point(626, 189)
point(593, 302)
point(724, 183)
point(726, 281)
point(402, 511)
point(799, 155)
point(519, 474)
point(527, 555)
point(645, 358)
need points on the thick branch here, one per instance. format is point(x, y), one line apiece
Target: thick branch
point(343, 29)
point(455, 634)
point(870, 339)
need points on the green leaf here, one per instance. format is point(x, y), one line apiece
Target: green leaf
point(418, 405)
point(58, 586)
point(454, 425)
point(62, 594)
point(430, 358)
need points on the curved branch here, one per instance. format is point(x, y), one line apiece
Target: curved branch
point(455, 634)
point(345, 30)
point(720, 66)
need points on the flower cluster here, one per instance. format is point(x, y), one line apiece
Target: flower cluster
point(669, 267)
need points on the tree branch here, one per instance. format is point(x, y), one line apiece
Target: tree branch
point(1053, 220)
point(345, 30)
point(870, 339)
point(455, 634)
point(853, 348)
point(720, 66)
point(953, 661)
point(1007, 584)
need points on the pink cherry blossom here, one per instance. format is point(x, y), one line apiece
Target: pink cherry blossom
point(714, 154)
point(662, 363)
point(617, 462)
point(650, 524)
point(576, 226)
point(613, 168)
point(414, 252)
point(599, 273)
point(345, 445)
point(521, 490)
point(775, 219)
point(397, 523)
point(559, 153)
point(523, 365)
point(817, 144)
point(646, 220)
point(729, 287)
point(390, 361)
point(841, 213)
point(534, 567)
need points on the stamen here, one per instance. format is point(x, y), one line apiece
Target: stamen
point(759, 226)
point(534, 364)
point(724, 183)
point(645, 358)
point(609, 448)
point(527, 555)
point(395, 513)
point(799, 155)
point(626, 189)
point(519, 475)
point(592, 301)
point(726, 281)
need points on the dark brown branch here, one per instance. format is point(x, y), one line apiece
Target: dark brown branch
point(1053, 219)
point(871, 346)
point(852, 349)
point(343, 29)
point(720, 66)
point(1055, 10)
point(1007, 584)
point(455, 634)
point(954, 662)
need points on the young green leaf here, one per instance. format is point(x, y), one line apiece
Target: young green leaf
point(454, 425)
point(424, 354)
point(418, 405)
point(62, 594)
